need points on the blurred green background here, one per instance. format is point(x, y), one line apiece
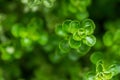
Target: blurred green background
point(31, 46)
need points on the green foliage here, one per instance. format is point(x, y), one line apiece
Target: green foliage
point(77, 33)
point(96, 56)
point(59, 40)
point(73, 35)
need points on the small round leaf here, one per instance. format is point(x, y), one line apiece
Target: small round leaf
point(74, 44)
point(66, 26)
point(83, 49)
point(89, 26)
point(74, 26)
point(90, 40)
point(79, 35)
point(59, 31)
point(64, 46)
point(96, 56)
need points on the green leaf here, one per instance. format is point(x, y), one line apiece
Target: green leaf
point(34, 36)
point(10, 49)
point(26, 42)
point(66, 26)
point(96, 56)
point(83, 49)
point(107, 75)
point(82, 15)
point(108, 39)
point(64, 46)
point(31, 3)
point(74, 26)
point(89, 26)
point(114, 69)
point(99, 66)
point(74, 55)
point(72, 9)
point(79, 35)
point(80, 2)
point(74, 44)
point(5, 54)
point(15, 30)
point(90, 76)
point(59, 31)
point(23, 32)
point(90, 40)
point(116, 37)
point(43, 39)
point(48, 3)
